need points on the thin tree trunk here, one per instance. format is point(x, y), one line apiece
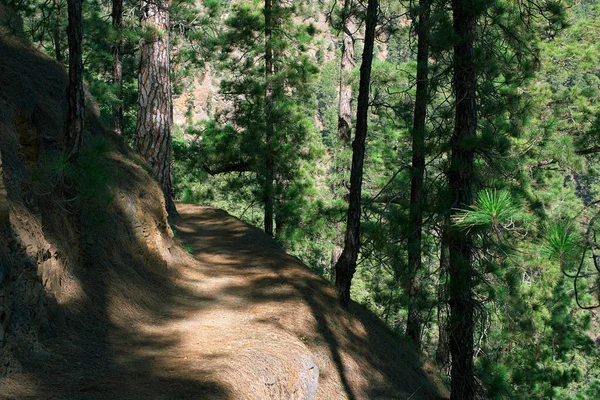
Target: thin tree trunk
point(270, 126)
point(117, 50)
point(341, 167)
point(460, 181)
point(347, 64)
point(414, 325)
point(155, 112)
point(442, 353)
point(75, 95)
point(281, 219)
point(57, 32)
point(346, 265)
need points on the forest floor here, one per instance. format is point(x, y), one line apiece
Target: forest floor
point(247, 321)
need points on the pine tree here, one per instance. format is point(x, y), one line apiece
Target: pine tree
point(346, 264)
point(155, 107)
point(414, 322)
point(490, 68)
point(267, 135)
point(460, 182)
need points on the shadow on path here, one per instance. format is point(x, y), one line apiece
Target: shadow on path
point(359, 356)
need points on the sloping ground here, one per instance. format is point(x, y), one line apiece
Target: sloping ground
point(97, 300)
point(278, 316)
point(246, 322)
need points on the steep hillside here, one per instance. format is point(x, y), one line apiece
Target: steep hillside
point(77, 238)
point(98, 301)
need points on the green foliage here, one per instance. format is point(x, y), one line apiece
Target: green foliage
point(491, 209)
point(533, 220)
point(238, 137)
point(495, 377)
point(560, 240)
point(89, 174)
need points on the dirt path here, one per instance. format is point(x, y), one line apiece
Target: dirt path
point(246, 321)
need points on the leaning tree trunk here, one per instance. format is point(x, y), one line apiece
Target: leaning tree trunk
point(346, 265)
point(414, 325)
point(117, 52)
point(75, 94)
point(347, 64)
point(155, 110)
point(460, 181)
point(269, 123)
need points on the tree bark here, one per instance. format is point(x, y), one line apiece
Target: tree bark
point(414, 325)
point(460, 181)
point(117, 52)
point(269, 126)
point(346, 264)
point(347, 64)
point(75, 94)
point(155, 110)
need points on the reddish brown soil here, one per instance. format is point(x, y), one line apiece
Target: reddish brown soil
point(247, 321)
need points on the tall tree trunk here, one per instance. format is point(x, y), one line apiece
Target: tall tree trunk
point(347, 64)
point(460, 181)
point(75, 95)
point(117, 50)
point(270, 126)
point(414, 325)
point(346, 265)
point(57, 31)
point(442, 353)
point(155, 110)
